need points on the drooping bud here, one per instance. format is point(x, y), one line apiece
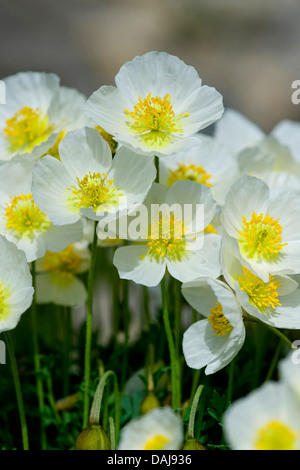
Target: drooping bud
point(93, 438)
point(149, 402)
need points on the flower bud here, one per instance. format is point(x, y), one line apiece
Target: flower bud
point(192, 444)
point(149, 402)
point(93, 438)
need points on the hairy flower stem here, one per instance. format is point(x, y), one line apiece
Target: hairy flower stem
point(37, 361)
point(191, 425)
point(156, 161)
point(175, 378)
point(89, 324)
point(14, 369)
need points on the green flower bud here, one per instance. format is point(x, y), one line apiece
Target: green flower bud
point(192, 444)
point(93, 438)
point(149, 402)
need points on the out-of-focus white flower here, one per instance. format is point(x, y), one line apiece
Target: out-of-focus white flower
point(289, 371)
point(37, 113)
point(57, 282)
point(22, 222)
point(205, 161)
point(87, 181)
point(172, 241)
point(159, 101)
point(159, 429)
point(267, 419)
point(264, 228)
point(215, 340)
point(276, 301)
point(16, 289)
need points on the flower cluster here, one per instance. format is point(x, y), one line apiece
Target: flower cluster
point(220, 214)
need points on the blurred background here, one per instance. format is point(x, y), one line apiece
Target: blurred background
point(249, 50)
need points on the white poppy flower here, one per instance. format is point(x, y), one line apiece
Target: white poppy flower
point(265, 227)
point(276, 301)
point(22, 222)
point(159, 429)
point(266, 419)
point(205, 161)
point(16, 289)
point(87, 181)
point(57, 282)
point(215, 340)
point(172, 241)
point(289, 371)
point(159, 101)
point(36, 112)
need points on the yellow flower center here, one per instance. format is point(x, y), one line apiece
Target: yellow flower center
point(276, 436)
point(4, 305)
point(189, 172)
point(66, 262)
point(153, 118)
point(26, 129)
point(24, 217)
point(53, 151)
point(93, 191)
point(261, 237)
point(210, 229)
point(156, 443)
point(262, 295)
point(108, 138)
point(166, 238)
point(219, 323)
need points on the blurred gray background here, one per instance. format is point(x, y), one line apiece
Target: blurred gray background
point(249, 50)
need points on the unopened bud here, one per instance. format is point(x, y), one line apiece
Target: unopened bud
point(192, 444)
point(93, 438)
point(149, 402)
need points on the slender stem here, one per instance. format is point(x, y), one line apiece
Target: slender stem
point(177, 317)
point(112, 433)
point(271, 328)
point(52, 399)
point(196, 378)
point(230, 381)
point(37, 361)
point(156, 161)
point(274, 361)
point(191, 425)
point(14, 368)
point(67, 331)
point(97, 402)
point(89, 324)
point(172, 351)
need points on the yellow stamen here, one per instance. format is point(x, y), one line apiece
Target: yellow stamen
point(156, 443)
point(262, 295)
point(189, 172)
point(93, 190)
point(26, 129)
point(276, 436)
point(219, 323)
point(210, 229)
point(166, 238)
point(66, 262)
point(154, 114)
point(261, 237)
point(24, 217)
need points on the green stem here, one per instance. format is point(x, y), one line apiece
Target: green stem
point(67, 331)
point(52, 399)
point(271, 328)
point(37, 361)
point(173, 358)
point(191, 425)
point(14, 368)
point(112, 433)
point(97, 402)
point(156, 161)
point(274, 362)
point(230, 381)
point(89, 324)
